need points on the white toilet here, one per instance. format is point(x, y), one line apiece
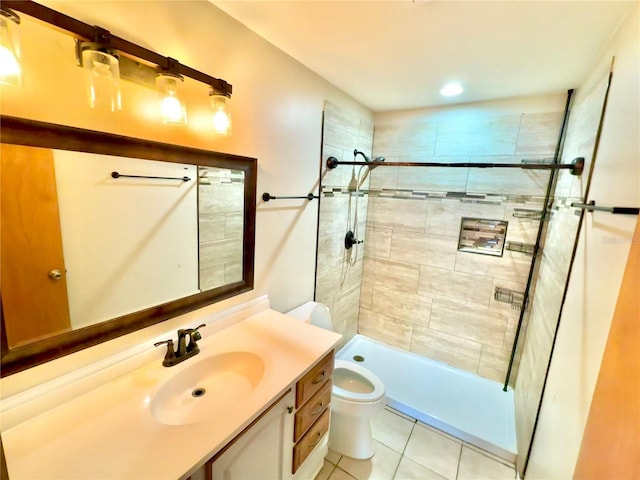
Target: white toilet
point(356, 396)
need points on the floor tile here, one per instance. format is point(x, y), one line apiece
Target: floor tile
point(381, 466)
point(474, 465)
point(434, 451)
point(340, 475)
point(325, 471)
point(333, 457)
point(392, 430)
point(410, 470)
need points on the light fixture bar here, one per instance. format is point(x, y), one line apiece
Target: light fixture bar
point(87, 32)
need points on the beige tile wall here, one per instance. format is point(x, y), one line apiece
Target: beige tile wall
point(338, 282)
point(220, 199)
point(419, 292)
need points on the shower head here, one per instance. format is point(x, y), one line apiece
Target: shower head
point(377, 159)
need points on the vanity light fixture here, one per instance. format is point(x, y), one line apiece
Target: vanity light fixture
point(172, 109)
point(451, 89)
point(102, 68)
point(10, 69)
point(108, 58)
point(221, 117)
point(103, 79)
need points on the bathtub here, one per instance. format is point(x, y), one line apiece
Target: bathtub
point(467, 406)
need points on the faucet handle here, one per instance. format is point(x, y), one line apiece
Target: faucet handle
point(170, 356)
point(195, 335)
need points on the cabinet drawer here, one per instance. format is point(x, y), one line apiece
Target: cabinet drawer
point(312, 410)
point(313, 381)
point(310, 439)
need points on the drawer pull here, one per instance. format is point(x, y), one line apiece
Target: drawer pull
point(317, 410)
point(319, 378)
point(311, 445)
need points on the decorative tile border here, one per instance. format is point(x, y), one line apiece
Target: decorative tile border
point(472, 198)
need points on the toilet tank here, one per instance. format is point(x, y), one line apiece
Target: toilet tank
point(314, 313)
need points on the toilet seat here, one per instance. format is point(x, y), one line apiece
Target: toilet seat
point(376, 393)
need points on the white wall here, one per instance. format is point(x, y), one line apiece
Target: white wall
point(116, 256)
point(598, 268)
point(277, 117)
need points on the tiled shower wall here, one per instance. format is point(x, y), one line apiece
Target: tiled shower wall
point(338, 282)
point(419, 292)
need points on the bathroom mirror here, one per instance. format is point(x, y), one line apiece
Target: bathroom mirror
point(103, 235)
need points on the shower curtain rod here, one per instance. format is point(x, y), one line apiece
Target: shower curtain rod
point(575, 167)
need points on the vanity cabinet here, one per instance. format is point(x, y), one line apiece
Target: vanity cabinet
point(313, 395)
point(276, 445)
point(262, 451)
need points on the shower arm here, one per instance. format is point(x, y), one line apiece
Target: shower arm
point(575, 167)
point(357, 152)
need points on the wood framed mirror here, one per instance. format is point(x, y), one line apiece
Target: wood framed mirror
point(103, 235)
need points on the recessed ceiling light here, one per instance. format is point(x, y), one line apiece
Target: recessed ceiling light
point(451, 89)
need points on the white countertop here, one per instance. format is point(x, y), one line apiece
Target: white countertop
point(110, 433)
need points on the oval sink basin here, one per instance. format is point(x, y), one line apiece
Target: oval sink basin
point(207, 388)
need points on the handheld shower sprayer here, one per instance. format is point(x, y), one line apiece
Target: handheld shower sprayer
point(370, 167)
point(357, 152)
point(351, 238)
point(353, 184)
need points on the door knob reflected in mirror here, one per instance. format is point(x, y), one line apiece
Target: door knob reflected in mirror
point(55, 274)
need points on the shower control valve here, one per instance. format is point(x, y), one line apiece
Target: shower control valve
point(350, 240)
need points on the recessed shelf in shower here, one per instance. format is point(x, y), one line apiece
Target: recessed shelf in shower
point(479, 235)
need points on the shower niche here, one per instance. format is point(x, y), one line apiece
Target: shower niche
point(479, 235)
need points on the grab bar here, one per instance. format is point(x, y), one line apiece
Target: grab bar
point(267, 196)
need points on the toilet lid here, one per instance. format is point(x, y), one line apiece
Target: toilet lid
point(369, 377)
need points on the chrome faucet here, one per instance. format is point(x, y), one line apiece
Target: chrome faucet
point(187, 346)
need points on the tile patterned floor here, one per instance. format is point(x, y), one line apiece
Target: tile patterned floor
point(410, 450)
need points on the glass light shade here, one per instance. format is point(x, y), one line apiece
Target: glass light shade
point(103, 80)
point(173, 110)
point(10, 69)
point(220, 116)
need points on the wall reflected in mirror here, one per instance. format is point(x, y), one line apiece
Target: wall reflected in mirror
point(220, 216)
point(80, 247)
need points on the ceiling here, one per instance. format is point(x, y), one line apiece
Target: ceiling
point(392, 55)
